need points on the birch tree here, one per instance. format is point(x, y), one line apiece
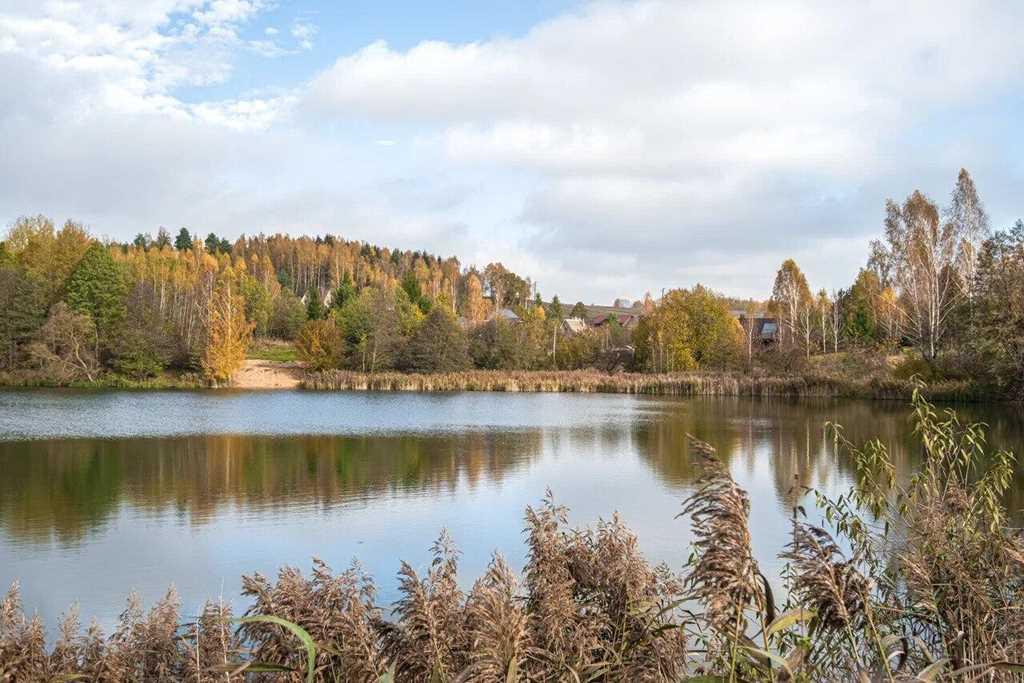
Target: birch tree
point(791, 299)
point(923, 255)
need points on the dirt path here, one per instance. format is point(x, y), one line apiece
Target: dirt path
point(267, 374)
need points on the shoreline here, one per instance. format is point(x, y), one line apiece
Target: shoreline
point(269, 375)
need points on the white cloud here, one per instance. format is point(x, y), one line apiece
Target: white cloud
point(662, 128)
point(131, 56)
point(618, 148)
point(304, 32)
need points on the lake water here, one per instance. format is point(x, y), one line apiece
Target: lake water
point(106, 492)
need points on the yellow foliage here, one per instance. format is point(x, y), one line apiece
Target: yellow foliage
point(227, 333)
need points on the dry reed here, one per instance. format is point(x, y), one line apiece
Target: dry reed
point(811, 385)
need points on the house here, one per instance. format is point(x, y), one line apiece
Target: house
point(573, 326)
point(506, 314)
point(761, 328)
point(628, 320)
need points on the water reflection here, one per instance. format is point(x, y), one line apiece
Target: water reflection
point(201, 509)
point(70, 487)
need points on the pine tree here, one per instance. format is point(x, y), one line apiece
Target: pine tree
point(344, 292)
point(98, 289)
point(22, 311)
point(314, 307)
point(557, 314)
point(183, 242)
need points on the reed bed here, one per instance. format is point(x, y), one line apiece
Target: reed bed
point(918, 580)
point(668, 384)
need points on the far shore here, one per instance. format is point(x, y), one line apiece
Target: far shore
point(698, 383)
point(274, 375)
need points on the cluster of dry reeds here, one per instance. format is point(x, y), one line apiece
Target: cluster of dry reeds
point(582, 381)
point(589, 606)
point(917, 581)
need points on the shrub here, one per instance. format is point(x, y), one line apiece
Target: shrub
point(438, 345)
point(319, 344)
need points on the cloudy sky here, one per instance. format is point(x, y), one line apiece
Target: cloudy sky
point(602, 148)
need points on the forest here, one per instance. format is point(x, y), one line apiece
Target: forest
point(941, 297)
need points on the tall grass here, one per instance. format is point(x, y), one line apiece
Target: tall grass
point(669, 384)
point(917, 580)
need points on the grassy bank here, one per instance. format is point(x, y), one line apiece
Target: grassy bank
point(930, 588)
point(272, 350)
point(30, 379)
point(803, 385)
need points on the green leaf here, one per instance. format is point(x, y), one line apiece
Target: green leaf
point(787, 619)
point(300, 633)
point(771, 656)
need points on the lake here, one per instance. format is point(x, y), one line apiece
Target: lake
point(102, 493)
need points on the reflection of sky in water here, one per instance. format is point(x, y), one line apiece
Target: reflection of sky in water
point(375, 476)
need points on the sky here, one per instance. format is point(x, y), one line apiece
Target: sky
point(603, 149)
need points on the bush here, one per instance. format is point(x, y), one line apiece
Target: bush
point(288, 316)
point(438, 345)
point(319, 344)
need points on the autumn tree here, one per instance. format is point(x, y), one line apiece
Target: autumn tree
point(476, 307)
point(259, 304)
point(372, 325)
point(48, 256)
point(288, 315)
point(688, 329)
point(438, 345)
point(319, 344)
point(822, 311)
point(966, 214)
point(494, 279)
point(227, 332)
point(500, 345)
point(924, 256)
point(791, 301)
point(556, 316)
point(64, 348)
point(163, 238)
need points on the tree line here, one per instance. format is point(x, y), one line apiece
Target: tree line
point(74, 308)
point(939, 282)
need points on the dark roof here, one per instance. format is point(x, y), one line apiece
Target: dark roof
point(764, 327)
point(625, 319)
